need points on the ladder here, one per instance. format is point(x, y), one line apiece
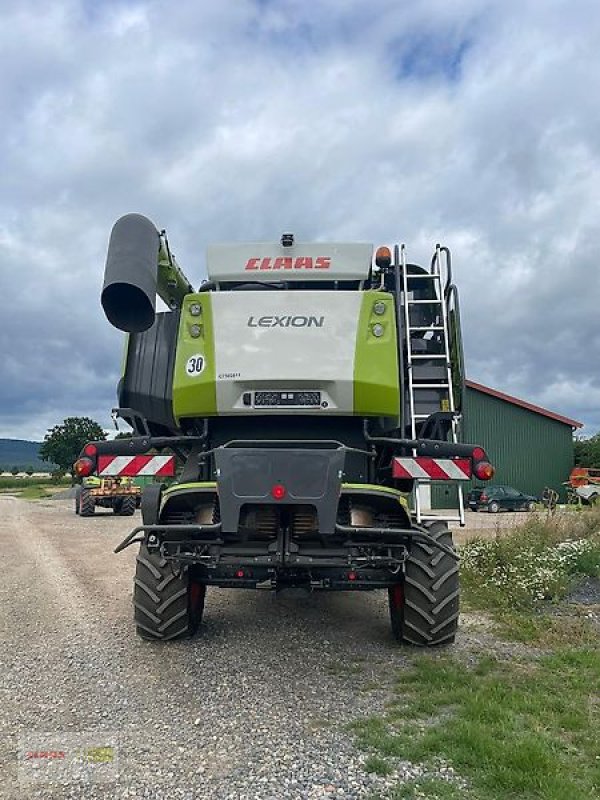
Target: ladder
point(429, 357)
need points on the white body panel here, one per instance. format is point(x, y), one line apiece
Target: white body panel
point(285, 341)
point(267, 261)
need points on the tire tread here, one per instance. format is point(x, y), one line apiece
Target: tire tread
point(161, 599)
point(430, 611)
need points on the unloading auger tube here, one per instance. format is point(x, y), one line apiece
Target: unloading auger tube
point(299, 396)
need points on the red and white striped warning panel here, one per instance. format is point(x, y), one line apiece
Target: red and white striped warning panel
point(433, 469)
point(131, 466)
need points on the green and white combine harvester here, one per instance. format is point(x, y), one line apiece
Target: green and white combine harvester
point(306, 391)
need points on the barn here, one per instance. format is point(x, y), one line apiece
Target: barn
point(530, 447)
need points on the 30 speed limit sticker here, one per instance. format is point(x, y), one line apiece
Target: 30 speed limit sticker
point(195, 365)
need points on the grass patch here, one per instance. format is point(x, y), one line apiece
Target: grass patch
point(36, 492)
point(23, 483)
point(32, 488)
point(377, 765)
point(547, 630)
point(431, 789)
point(526, 730)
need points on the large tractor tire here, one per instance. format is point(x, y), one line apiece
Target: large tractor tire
point(167, 605)
point(127, 506)
point(87, 504)
point(424, 608)
point(77, 499)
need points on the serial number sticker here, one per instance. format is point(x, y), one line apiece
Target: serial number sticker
point(195, 365)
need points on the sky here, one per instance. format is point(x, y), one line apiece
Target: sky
point(475, 124)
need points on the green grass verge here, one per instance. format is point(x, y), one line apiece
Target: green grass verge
point(22, 483)
point(523, 729)
point(534, 563)
point(36, 492)
point(32, 488)
point(526, 728)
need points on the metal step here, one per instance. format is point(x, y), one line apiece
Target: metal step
point(426, 328)
point(427, 355)
point(424, 303)
point(444, 518)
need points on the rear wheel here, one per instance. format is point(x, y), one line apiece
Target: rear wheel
point(127, 506)
point(87, 504)
point(493, 507)
point(168, 605)
point(424, 609)
point(531, 506)
point(117, 505)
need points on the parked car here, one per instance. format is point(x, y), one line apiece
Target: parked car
point(500, 498)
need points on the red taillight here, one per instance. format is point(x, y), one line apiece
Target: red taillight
point(90, 450)
point(278, 492)
point(483, 498)
point(240, 573)
point(84, 467)
point(352, 576)
point(479, 454)
point(484, 471)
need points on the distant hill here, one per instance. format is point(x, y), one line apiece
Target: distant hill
point(21, 453)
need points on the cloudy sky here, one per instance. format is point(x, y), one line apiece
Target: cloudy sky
point(472, 123)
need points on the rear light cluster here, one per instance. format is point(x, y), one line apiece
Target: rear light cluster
point(83, 467)
point(482, 469)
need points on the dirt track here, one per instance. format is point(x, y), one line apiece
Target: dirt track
point(254, 706)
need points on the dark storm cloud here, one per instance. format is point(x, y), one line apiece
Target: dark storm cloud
point(471, 122)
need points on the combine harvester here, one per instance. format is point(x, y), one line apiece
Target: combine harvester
point(306, 390)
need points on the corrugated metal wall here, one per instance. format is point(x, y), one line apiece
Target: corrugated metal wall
point(530, 451)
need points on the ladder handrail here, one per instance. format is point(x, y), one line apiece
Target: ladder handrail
point(446, 297)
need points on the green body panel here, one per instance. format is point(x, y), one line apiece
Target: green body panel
point(370, 488)
point(171, 284)
point(195, 395)
point(183, 487)
point(347, 488)
point(376, 381)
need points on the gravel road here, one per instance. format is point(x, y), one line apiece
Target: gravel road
point(255, 706)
